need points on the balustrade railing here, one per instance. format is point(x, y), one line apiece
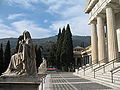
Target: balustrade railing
point(113, 71)
point(105, 65)
point(85, 68)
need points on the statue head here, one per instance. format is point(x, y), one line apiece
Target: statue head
point(26, 35)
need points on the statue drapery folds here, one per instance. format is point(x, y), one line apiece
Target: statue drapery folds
point(23, 62)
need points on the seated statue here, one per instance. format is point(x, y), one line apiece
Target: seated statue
point(43, 67)
point(23, 62)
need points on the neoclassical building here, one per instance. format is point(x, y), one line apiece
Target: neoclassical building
point(104, 18)
point(82, 56)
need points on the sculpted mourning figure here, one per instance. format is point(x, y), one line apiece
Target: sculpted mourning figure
point(43, 67)
point(23, 62)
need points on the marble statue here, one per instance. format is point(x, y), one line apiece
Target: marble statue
point(23, 62)
point(43, 67)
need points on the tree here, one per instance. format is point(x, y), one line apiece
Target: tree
point(1, 59)
point(7, 55)
point(82, 44)
point(61, 46)
point(58, 50)
point(52, 56)
point(67, 50)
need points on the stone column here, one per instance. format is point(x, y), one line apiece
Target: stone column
point(94, 43)
point(101, 40)
point(112, 36)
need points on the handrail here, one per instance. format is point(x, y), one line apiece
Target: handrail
point(87, 68)
point(112, 72)
point(98, 68)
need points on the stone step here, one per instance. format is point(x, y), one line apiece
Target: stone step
point(108, 79)
point(101, 76)
point(101, 81)
point(105, 77)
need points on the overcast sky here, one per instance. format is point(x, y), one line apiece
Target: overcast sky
point(42, 18)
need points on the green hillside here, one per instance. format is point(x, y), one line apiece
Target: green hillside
point(77, 40)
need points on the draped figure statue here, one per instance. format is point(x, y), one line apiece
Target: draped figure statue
point(43, 67)
point(23, 62)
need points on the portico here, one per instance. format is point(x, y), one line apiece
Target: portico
point(104, 13)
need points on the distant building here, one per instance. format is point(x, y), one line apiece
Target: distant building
point(82, 56)
point(77, 49)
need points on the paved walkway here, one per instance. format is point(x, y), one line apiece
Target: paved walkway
point(67, 81)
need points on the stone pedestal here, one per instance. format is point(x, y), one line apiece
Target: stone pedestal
point(20, 83)
point(19, 86)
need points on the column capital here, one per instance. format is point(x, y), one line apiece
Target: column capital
point(101, 15)
point(108, 6)
point(93, 22)
point(111, 6)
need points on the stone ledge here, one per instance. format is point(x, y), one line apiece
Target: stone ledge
point(21, 79)
point(21, 82)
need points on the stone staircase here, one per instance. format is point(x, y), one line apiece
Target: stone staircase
point(101, 76)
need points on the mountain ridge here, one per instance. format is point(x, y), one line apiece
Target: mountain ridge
point(77, 40)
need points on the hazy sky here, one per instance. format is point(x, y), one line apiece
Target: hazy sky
point(42, 18)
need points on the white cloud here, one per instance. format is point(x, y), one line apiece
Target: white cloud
point(37, 31)
point(54, 6)
point(17, 28)
point(65, 8)
point(14, 16)
point(1, 20)
point(22, 3)
point(7, 31)
point(69, 11)
point(45, 21)
point(78, 25)
point(73, 11)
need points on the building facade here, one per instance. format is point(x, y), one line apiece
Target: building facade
point(82, 56)
point(104, 18)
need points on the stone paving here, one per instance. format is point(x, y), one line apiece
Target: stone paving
point(67, 81)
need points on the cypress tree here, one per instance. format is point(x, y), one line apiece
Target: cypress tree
point(62, 49)
point(61, 46)
point(59, 34)
point(58, 52)
point(7, 55)
point(67, 50)
point(62, 36)
point(1, 59)
point(52, 56)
